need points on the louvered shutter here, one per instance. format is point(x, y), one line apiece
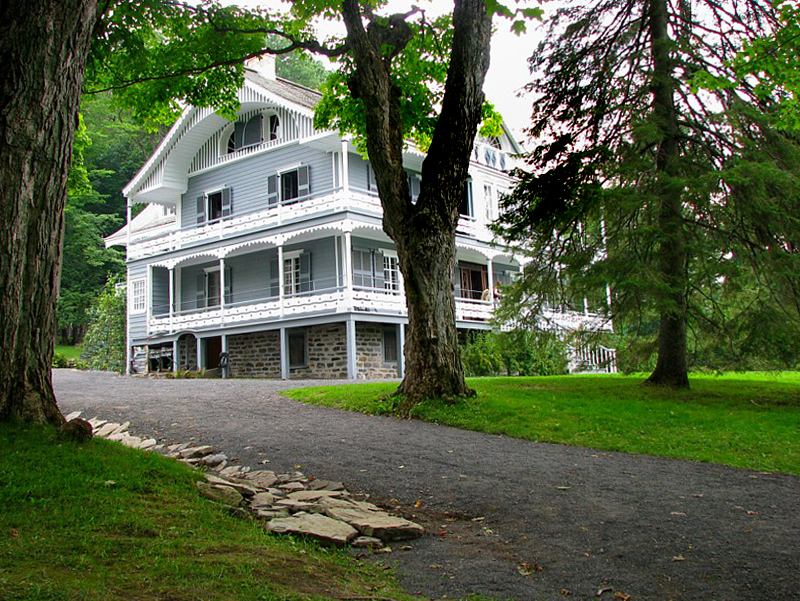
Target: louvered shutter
point(201, 209)
point(238, 135)
point(252, 131)
point(377, 257)
point(274, 282)
point(227, 202)
point(372, 183)
point(305, 272)
point(272, 190)
point(413, 187)
point(228, 285)
point(201, 290)
point(303, 181)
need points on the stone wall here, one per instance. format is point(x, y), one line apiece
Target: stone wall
point(187, 352)
point(326, 353)
point(256, 355)
point(369, 355)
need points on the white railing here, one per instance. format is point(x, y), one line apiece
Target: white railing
point(332, 201)
point(593, 359)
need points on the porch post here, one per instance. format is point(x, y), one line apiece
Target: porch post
point(284, 355)
point(128, 354)
point(401, 357)
point(352, 367)
point(347, 269)
point(171, 299)
point(281, 292)
point(225, 350)
point(345, 169)
point(176, 359)
point(490, 274)
point(200, 353)
point(222, 290)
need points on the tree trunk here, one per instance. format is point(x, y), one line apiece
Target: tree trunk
point(43, 50)
point(671, 369)
point(424, 232)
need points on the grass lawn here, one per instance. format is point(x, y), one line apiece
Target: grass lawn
point(68, 352)
point(747, 420)
point(102, 522)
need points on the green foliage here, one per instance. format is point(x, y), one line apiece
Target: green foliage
point(515, 352)
point(106, 338)
point(747, 420)
point(301, 68)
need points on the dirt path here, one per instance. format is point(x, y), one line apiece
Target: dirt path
point(507, 518)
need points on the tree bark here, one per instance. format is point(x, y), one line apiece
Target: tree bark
point(43, 49)
point(424, 233)
point(671, 367)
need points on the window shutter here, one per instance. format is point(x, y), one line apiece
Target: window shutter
point(274, 283)
point(228, 285)
point(238, 135)
point(252, 131)
point(201, 209)
point(227, 202)
point(303, 181)
point(305, 272)
point(413, 187)
point(377, 257)
point(274, 127)
point(372, 183)
point(201, 289)
point(272, 190)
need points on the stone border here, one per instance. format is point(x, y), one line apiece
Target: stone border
point(289, 503)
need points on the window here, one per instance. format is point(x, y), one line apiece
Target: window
point(473, 281)
point(138, 296)
point(246, 133)
point(297, 349)
point(274, 128)
point(288, 186)
point(297, 273)
point(391, 273)
point(212, 287)
point(213, 206)
point(465, 206)
point(488, 200)
point(390, 344)
point(414, 185)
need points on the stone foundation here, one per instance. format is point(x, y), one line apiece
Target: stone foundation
point(326, 353)
point(187, 352)
point(256, 355)
point(369, 354)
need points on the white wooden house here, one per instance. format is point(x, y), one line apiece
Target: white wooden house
point(262, 239)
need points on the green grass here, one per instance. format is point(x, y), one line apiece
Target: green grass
point(68, 352)
point(102, 522)
point(747, 420)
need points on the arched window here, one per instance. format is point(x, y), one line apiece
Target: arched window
point(245, 133)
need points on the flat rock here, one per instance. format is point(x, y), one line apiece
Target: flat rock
point(325, 485)
point(292, 486)
point(226, 495)
point(104, 430)
point(292, 477)
point(196, 452)
point(313, 495)
point(121, 428)
point(270, 513)
point(262, 499)
point(213, 460)
point(326, 502)
point(262, 478)
point(369, 542)
point(148, 444)
point(72, 415)
point(376, 523)
point(242, 489)
point(317, 526)
point(295, 506)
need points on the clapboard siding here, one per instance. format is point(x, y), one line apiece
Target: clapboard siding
point(159, 291)
point(323, 260)
point(247, 179)
point(251, 275)
point(358, 170)
point(137, 323)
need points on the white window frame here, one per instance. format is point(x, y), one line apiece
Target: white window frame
point(138, 296)
point(391, 272)
point(291, 274)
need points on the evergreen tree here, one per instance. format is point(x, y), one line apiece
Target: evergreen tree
point(635, 181)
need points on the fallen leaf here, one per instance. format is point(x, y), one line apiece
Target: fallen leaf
point(526, 569)
point(678, 513)
point(14, 533)
point(418, 504)
point(436, 566)
point(602, 590)
point(622, 596)
point(678, 558)
point(566, 592)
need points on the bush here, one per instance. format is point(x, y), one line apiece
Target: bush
point(104, 344)
point(516, 352)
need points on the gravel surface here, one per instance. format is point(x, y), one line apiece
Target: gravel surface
point(506, 518)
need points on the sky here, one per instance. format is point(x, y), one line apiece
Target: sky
point(508, 71)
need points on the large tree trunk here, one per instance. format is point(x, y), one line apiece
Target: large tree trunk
point(671, 369)
point(424, 232)
point(43, 50)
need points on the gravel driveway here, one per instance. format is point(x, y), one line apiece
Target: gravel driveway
point(506, 518)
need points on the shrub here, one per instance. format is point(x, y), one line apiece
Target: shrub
point(104, 344)
point(516, 352)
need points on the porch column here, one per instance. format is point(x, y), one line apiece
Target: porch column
point(280, 286)
point(200, 353)
point(171, 300)
point(352, 367)
point(401, 357)
point(345, 169)
point(347, 269)
point(225, 350)
point(490, 275)
point(222, 290)
point(176, 359)
point(284, 354)
point(128, 354)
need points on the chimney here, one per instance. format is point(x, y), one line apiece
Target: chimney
point(264, 65)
